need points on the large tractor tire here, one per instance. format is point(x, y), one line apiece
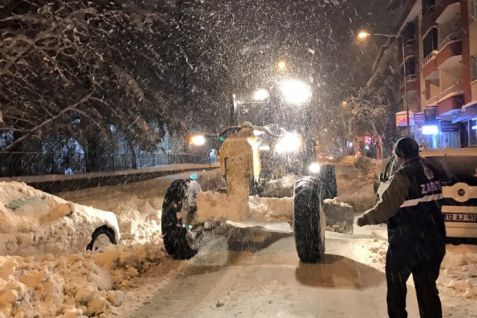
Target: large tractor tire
point(327, 178)
point(309, 220)
point(179, 234)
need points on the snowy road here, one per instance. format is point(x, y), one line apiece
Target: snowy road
point(271, 282)
point(257, 274)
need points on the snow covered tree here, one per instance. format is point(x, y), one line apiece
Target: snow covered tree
point(367, 109)
point(74, 68)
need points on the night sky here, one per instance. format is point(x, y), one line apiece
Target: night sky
point(315, 37)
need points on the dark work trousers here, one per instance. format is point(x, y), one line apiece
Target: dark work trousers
point(423, 261)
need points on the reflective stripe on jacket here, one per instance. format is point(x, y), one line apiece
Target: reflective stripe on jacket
point(410, 205)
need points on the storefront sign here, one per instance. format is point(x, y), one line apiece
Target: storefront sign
point(419, 119)
point(401, 119)
point(448, 126)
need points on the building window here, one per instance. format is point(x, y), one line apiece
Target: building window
point(428, 6)
point(411, 66)
point(411, 69)
point(409, 32)
point(430, 42)
point(473, 67)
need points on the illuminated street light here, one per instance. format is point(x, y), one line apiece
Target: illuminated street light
point(282, 65)
point(290, 142)
point(198, 140)
point(363, 35)
point(295, 91)
point(261, 95)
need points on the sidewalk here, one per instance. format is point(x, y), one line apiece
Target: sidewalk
point(58, 182)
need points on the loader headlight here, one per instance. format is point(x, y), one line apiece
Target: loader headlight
point(197, 140)
point(290, 142)
point(314, 168)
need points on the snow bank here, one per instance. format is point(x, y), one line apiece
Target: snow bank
point(77, 285)
point(458, 270)
point(355, 178)
point(35, 222)
point(339, 216)
point(48, 280)
point(137, 206)
point(222, 206)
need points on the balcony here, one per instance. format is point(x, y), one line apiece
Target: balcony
point(449, 12)
point(406, 13)
point(429, 57)
point(449, 47)
point(430, 16)
point(412, 83)
point(429, 64)
point(449, 99)
point(452, 37)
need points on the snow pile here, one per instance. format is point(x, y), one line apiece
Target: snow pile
point(355, 180)
point(39, 278)
point(77, 285)
point(138, 205)
point(458, 270)
point(339, 216)
point(222, 206)
point(271, 209)
point(34, 222)
point(282, 187)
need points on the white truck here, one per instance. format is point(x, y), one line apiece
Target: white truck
point(459, 189)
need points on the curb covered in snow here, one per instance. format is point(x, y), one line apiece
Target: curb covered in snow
point(58, 183)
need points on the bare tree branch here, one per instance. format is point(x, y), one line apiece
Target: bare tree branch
point(50, 120)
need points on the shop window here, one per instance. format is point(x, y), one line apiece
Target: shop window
point(428, 6)
point(473, 132)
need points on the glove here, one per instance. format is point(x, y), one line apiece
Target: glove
point(362, 220)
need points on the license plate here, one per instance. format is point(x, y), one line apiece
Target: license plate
point(461, 217)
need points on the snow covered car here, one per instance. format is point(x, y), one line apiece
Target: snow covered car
point(459, 188)
point(34, 221)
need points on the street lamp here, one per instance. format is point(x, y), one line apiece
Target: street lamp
point(282, 65)
point(296, 92)
point(198, 140)
point(260, 95)
point(363, 35)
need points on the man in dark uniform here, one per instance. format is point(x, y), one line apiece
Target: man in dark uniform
point(416, 232)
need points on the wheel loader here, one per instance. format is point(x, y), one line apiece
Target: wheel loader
point(188, 212)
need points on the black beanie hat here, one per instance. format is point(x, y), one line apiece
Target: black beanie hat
point(406, 148)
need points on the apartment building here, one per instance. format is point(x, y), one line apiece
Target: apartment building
point(438, 40)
